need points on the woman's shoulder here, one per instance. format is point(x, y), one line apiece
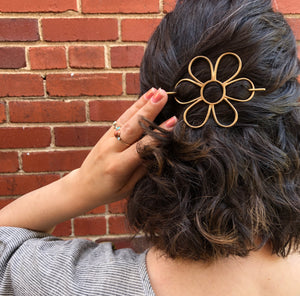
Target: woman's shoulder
point(77, 265)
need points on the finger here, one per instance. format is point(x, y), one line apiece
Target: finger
point(167, 125)
point(143, 100)
point(131, 131)
point(131, 156)
point(132, 110)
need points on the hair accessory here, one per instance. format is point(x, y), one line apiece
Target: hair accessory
point(117, 133)
point(225, 97)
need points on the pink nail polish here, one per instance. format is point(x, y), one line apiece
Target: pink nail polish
point(157, 97)
point(149, 94)
point(171, 122)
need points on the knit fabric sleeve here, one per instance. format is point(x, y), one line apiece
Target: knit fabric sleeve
point(33, 263)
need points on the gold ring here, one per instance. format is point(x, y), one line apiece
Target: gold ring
point(117, 133)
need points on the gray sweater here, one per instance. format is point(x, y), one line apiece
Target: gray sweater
point(33, 263)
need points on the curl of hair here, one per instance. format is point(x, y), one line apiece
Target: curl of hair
point(213, 192)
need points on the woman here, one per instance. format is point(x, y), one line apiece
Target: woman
point(215, 191)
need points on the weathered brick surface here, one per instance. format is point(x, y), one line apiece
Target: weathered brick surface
point(132, 83)
point(53, 161)
point(288, 6)
point(26, 137)
point(146, 28)
point(65, 85)
point(86, 57)
point(90, 226)
point(80, 29)
point(118, 225)
point(21, 85)
point(169, 5)
point(9, 162)
point(37, 5)
point(126, 56)
point(79, 136)
point(19, 30)
point(120, 6)
point(47, 111)
point(63, 229)
point(295, 25)
point(2, 112)
point(48, 57)
point(118, 207)
point(12, 57)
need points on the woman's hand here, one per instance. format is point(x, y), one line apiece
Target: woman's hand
point(108, 174)
point(113, 167)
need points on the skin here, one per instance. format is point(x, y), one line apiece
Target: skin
point(108, 174)
point(259, 274)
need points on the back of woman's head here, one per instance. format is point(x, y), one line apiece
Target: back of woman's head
point(212, 192)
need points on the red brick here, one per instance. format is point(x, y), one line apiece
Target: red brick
point(120, 6)
point(90, 226)
point(9, 162)
point(37, 5)
point(53, 161)
point(108, 110)
point(47, 111)
point(169, 5)
point(84, 84)
point(288, 6)
point(63, 229)
point(86, 57)
point(80, 29)
point(78, 136)
point(48, 57)
point(126, 56)
point(21, 184)
point(27, 137)
point(98, 210)
point(132, 83)
point(12, 57)
point(21, 85)
point(5, 202)
point(118, 225)
point(118, 207)
point(295, 25)
point(138, 29)
point(2, 112)
point(19, 30)
point(298, 47)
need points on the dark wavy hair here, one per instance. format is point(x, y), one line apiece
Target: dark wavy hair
point(213, 192)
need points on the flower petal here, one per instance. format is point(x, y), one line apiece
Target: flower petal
point(185, 115)
point(198, 58)
point(236, 116)
point(188, 80)
point(250, 90)
point(227, 64)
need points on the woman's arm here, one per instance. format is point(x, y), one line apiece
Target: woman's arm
point(108, 174)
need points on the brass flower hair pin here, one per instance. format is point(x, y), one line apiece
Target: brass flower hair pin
point(224, 97)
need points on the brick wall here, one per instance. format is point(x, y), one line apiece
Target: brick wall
point(67, 70)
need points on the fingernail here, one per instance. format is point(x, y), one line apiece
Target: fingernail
point(157, 97)
point(171, 122)
point(149, 94)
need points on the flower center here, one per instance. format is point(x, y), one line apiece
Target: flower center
point(213, 92)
